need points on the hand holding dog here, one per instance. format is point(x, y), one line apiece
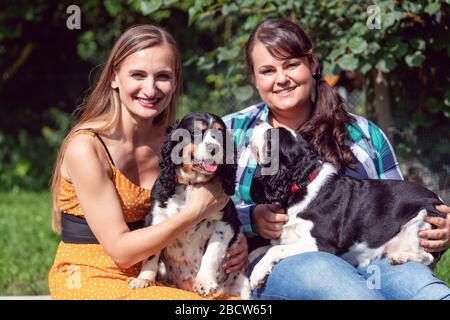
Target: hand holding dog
point(206, 199)
point(437, 239)
point(237, 255)
point(269, 220)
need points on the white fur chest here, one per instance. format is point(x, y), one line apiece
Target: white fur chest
point(182, 258)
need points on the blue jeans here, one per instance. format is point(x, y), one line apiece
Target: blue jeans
point(323, 276)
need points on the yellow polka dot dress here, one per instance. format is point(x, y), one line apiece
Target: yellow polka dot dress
point(85, 271)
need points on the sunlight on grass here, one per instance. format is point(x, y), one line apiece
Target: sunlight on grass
point(27, 244)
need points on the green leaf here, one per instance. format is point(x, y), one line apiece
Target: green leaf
point(433, 105)
point(227, 54)
point(113, 6)
point(86, 46)
point(432, 8)
point(228, 9)
point(387, 63)
point(415, 60)
point(331, 69)
point(398, 49)
point(150, 6)
point(358, 28)
point(169, 2)
point(388, 21)
point(365, 67)
point(447, 98)
point(374, 47)
point(252, 22)
point(246, 3)
point(348, 62)
point(336, 53)
point(205, 63)
point(418, 44)
point(357, 45)
point(243, 93)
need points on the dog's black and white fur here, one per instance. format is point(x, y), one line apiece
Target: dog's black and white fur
point(194, 261)
point(358, 220)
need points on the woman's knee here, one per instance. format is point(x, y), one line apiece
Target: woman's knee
point(308, 270)
point(315, 275)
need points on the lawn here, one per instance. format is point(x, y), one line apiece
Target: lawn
point(27, 244)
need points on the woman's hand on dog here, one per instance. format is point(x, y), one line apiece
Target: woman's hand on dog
point(236, 258)
point(269, 220)
point(206, 199)
point(439, 238)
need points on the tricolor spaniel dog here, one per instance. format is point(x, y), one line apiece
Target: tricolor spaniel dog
point(358, 220)
point(195, 151)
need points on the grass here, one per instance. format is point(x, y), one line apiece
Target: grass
point(443, 268)
point(28, 246)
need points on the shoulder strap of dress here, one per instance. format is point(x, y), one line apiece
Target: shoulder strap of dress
point(95, 134)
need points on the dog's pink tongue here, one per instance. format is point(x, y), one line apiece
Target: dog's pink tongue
point(210, 167)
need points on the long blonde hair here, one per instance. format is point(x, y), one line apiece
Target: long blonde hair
point(102, 106)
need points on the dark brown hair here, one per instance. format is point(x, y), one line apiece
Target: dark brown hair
point(326, 130)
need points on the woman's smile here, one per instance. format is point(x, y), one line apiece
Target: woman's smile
point(285, 92)
point(148, 103)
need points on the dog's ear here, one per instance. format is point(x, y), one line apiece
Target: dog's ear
point(166, 165)
point(228, 169)
point(271, 188)
point(305, 161)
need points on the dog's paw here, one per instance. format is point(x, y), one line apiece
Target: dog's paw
point(397, 258)
point(259, 275)
point(205, 286)
point(138, 283)
point(403, 257)
point(257, 281)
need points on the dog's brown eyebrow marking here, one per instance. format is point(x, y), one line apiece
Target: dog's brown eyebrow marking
point(202, 124)
point(216, 125)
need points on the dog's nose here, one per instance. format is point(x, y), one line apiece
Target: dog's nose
point(211, 148)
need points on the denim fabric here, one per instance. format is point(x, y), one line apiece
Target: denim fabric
point(323, 276)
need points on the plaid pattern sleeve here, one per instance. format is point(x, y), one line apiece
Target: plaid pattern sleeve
point(373, 152)
point(241, 125)
point(377, 156)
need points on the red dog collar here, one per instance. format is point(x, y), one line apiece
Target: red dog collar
point(295, 187)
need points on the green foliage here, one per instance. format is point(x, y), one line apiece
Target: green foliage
point(411, 47)
point(26, 161)
point(27, 244)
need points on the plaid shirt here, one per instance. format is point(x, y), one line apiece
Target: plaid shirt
point(374, 156)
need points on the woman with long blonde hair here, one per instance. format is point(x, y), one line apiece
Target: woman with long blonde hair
point(105, 170)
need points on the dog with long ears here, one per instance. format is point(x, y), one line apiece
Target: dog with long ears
point(194, 260)
point(358, 220)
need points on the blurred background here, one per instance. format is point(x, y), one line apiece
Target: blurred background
point(388, 59)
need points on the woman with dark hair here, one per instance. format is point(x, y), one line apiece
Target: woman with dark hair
point(282, 63)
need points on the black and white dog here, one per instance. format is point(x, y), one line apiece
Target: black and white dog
point(195, 151)
point(358, 220)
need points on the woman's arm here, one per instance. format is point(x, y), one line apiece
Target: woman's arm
point(101, 205)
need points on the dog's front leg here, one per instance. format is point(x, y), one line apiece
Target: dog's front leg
point(273, 256)
point(206, 280)
point(148, 273)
